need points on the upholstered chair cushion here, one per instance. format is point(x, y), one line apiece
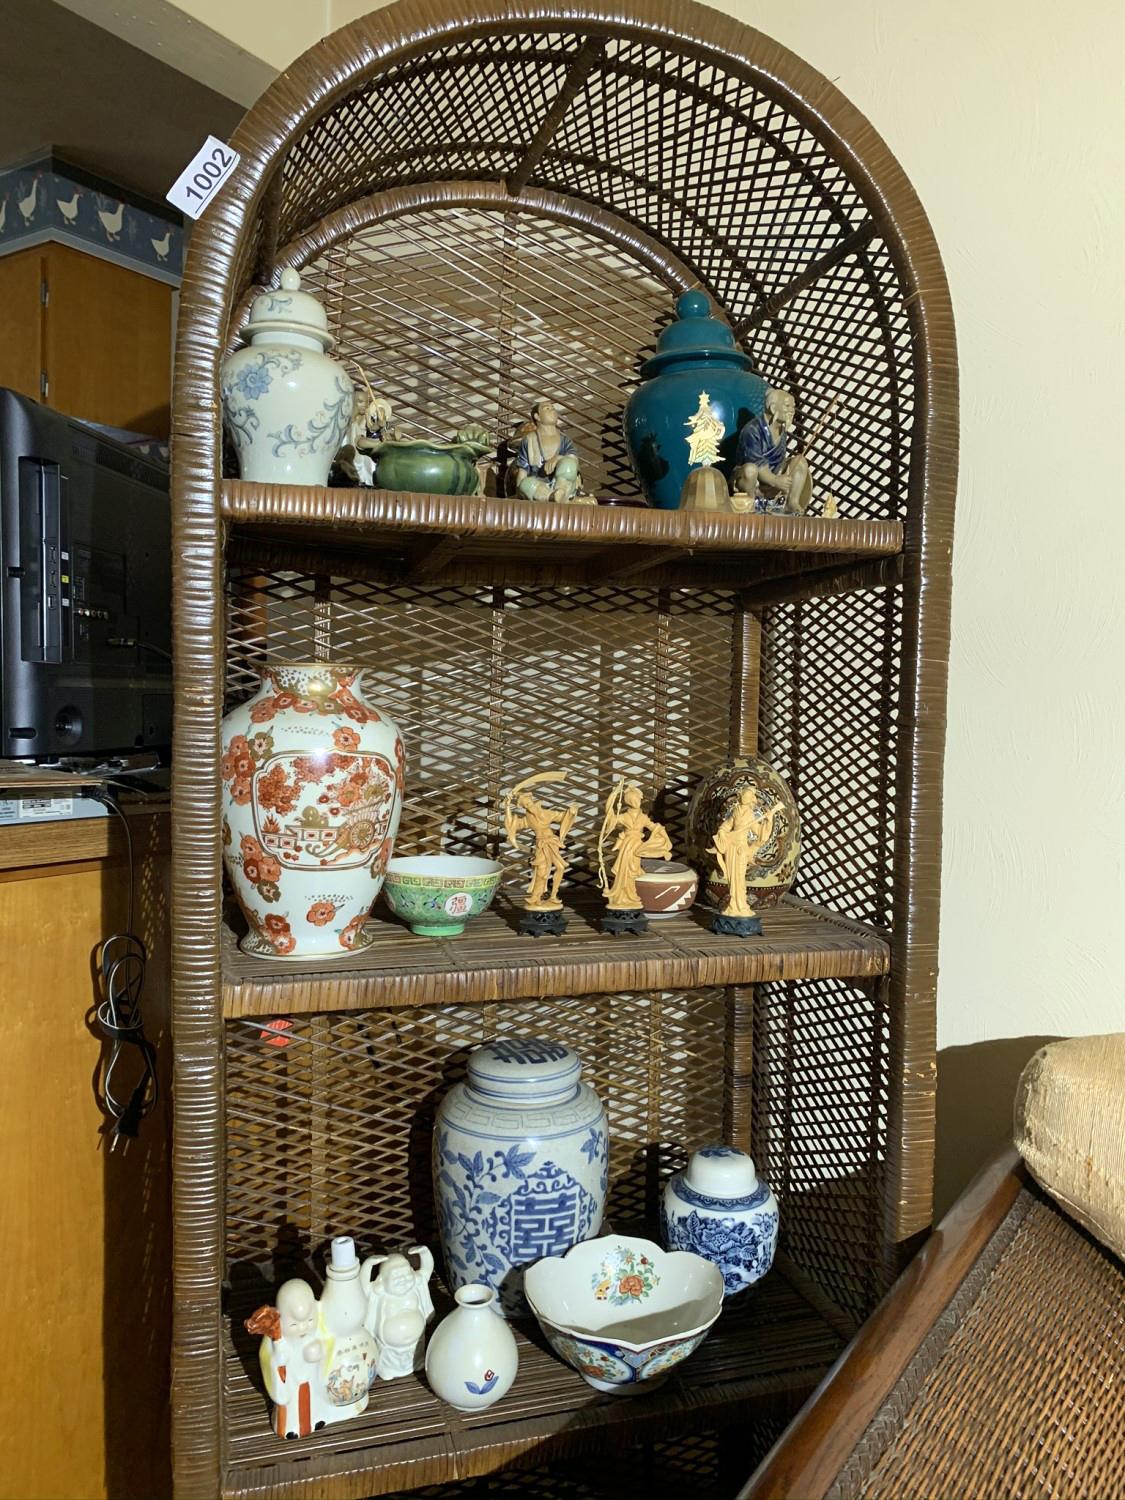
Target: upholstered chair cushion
point(1070, 1130)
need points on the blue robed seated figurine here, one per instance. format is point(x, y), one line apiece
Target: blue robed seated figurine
point(545, 464)
point(765, 477)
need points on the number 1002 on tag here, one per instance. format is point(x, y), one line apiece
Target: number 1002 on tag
point(203, 176)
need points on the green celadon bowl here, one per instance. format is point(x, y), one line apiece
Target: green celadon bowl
point(436, 894)
point(427, 468)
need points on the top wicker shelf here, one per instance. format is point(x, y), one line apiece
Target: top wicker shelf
point(419, 536)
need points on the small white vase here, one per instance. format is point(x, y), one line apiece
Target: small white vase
point(286, 405)
point(472, 1357)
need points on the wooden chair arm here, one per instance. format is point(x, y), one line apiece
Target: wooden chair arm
point(805, 1460)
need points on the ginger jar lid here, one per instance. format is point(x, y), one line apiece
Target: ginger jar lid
point(286, 309)
point(522, 1070)
point(696, 335)
point(722, 1172)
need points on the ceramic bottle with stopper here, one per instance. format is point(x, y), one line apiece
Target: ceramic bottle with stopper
point(351, 1351)
point(287, 405)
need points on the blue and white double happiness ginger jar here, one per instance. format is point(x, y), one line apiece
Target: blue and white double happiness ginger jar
point(521, 1164)
point(720, 1208)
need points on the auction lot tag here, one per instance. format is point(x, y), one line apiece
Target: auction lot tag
point(202, 178)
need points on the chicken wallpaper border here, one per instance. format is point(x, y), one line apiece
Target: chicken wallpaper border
point(40, 201)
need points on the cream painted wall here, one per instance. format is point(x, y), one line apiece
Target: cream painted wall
point(1010, 120)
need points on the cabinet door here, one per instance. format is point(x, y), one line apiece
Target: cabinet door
point(108, 342)
point(21, 321)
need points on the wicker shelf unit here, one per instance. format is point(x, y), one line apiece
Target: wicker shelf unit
point(486, 198)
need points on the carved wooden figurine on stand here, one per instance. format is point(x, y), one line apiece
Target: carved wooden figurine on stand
point(549, 828)
point(637, 838)
point(737, 843)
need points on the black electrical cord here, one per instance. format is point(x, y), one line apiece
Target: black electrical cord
point(121, 961)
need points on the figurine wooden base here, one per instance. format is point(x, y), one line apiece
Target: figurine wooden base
point(737, 926)
point(705, 489)
point(623, 920)
point(542, 923)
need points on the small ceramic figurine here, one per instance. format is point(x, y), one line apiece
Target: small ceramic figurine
point(472, 1359)
point(721, 1209)
point(398, 1308)
point(292, 1357)
point(737, 841)
point(548, 827)
point(766, 476)
point(371, 424)
point(636, 838)
point(349, 1357)
point(545, 464)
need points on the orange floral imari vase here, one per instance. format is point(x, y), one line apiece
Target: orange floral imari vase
point(313, 777)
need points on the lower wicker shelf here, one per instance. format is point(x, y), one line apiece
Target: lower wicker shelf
point(763, 1357)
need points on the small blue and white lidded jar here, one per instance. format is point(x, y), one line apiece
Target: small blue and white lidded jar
point(521, 1164)
point(719, 1208)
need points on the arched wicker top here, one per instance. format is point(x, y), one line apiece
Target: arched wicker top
point(695, 132)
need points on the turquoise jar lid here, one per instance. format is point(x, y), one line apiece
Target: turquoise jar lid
point(696, 336)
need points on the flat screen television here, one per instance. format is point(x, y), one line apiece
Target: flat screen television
point(85, 589)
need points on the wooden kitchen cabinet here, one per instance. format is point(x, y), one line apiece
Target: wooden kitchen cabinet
point(87, 337)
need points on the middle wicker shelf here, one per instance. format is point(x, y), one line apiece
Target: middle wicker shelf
point(491, 961)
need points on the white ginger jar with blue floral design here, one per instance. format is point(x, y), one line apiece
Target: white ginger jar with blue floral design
point(721, 1209)
point(521, 1164)
point(287, 405)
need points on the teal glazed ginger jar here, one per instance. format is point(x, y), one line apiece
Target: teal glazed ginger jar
point(695, 354)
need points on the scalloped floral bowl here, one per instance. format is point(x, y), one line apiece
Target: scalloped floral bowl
point(438, 893)
point(622, 1311)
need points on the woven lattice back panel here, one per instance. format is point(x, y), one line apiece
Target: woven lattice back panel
point(330, 1133)
point(489, 686)
point(459, 315)
point(828, 722)
point(821, 1080)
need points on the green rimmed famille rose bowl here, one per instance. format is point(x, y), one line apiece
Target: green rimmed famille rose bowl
point(436, 894)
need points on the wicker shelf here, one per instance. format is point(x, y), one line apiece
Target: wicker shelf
point(470, 272)
point(491, 961)
point(415, 536)
point(763, 1356)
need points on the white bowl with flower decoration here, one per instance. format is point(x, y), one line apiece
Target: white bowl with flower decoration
point(623, 1312)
